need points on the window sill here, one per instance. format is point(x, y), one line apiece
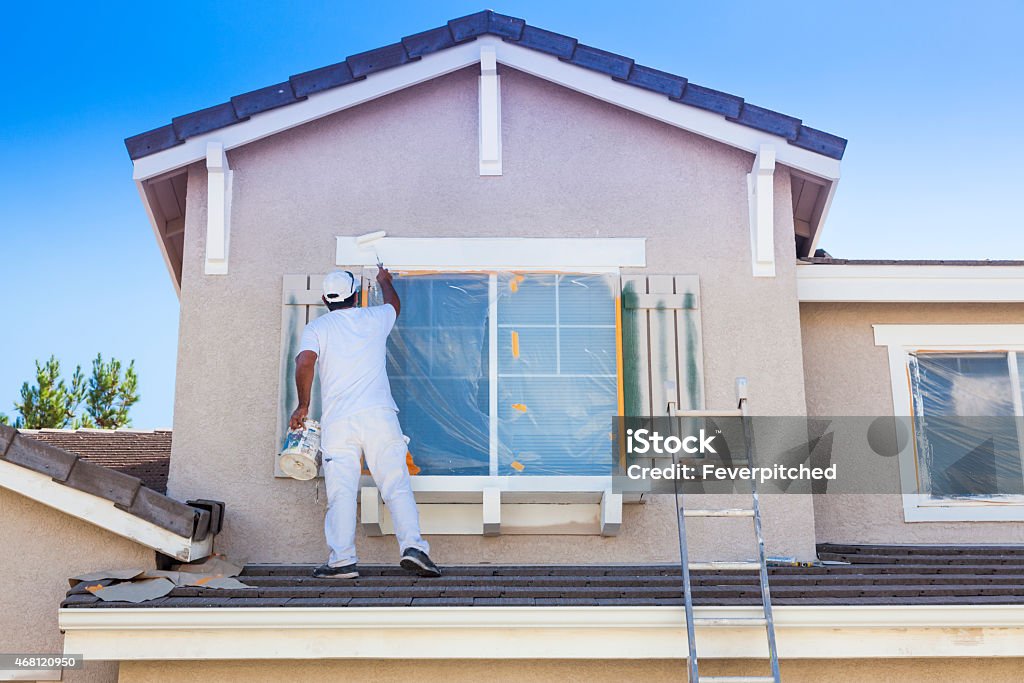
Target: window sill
point(922, 509)
point(492, 506)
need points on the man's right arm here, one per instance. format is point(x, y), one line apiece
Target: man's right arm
point(387, 288)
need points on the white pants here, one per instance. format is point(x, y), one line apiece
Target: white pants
point(376, 434)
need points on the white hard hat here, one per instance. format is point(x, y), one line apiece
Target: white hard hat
point(340, 285)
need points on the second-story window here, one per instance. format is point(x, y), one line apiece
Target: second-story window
point(510, 374)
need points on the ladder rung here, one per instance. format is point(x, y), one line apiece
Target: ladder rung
point(737, 679)
point(723, 512)
point(725, 565)
point(730, 621)
point(735, 412)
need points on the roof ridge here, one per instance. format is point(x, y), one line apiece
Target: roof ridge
point(465, 29)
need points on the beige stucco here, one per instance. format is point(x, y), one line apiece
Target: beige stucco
point(614, 671)
point(42, 548)
point(846, 374)
point(407, 163)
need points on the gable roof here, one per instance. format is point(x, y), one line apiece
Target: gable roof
point(108, 498)
point(145, 454)
point(464, 29)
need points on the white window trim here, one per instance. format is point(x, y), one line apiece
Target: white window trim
point(902, 340)
point(569, 254)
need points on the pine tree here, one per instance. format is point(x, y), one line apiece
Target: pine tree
point(51, 403)
point(110, 396)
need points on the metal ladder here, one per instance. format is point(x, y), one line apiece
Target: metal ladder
point(684, 559)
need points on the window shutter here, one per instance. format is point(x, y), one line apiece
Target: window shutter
point(661, 343)
point(300, 304)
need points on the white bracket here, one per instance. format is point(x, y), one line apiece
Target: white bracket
point(761, 196)
point(611, 513)
point(492, 512)
point(218, 209)
point(490, 113)
point(370, 512)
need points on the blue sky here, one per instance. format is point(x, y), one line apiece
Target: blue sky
point(929, 94)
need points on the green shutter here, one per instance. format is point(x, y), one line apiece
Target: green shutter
point(661, 343)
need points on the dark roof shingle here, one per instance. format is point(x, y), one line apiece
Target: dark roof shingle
point(142, 454)
point(875, 575)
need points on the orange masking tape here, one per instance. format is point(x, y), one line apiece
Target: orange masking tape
point(515, 344)
point(520, 407)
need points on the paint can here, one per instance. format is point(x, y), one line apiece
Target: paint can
point(300, 457)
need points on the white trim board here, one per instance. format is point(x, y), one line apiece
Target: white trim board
point(901, 341)
point(100, 512)
point(600, 86)
point(909, 283)
point(508, 253)
point(813, 632)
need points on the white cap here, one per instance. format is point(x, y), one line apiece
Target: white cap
point(340, 285)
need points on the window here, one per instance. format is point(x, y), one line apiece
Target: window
point(961, 385)
point(507, 374)
point(964, 410)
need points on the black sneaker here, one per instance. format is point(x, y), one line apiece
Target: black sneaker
point(326, 571)
point(415, 560)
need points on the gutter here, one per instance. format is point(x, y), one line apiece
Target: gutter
point(650, 632)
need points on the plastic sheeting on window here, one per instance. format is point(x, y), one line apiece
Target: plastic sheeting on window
point(967, 432)
point(551, 372)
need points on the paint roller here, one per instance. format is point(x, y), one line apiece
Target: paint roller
point(370, 238)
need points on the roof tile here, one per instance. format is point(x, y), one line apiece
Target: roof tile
point(767, 120)
point(658, 81)
point(710, 99)
point(205, 120)
point(821, 142)
point(159, 509)
point(7, 435)
point(547, 41)
point(106, 483)
point(470, 26)
point(152, 141)
point(40, 457)
point(505, 26)
point(424, 43)
point(264, 99)
point(317, 80)
point(372, 61)
point(609, 63)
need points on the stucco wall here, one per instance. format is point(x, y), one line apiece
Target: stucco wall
point(614, 671)
point(846, 374)
point(42, 548)
point(407, 163)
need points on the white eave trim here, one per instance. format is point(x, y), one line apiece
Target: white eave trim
point(100, 512)
point(705, 123)
point(909, 283)
point(815, 632)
